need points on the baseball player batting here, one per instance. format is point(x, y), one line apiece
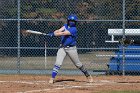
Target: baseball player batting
point(68, 34)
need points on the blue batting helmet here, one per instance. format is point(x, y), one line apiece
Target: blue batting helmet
point(72, 17)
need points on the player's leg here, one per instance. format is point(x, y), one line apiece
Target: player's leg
point(72, 53)
point(59, 60)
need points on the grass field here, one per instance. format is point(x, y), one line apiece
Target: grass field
point(90, 60)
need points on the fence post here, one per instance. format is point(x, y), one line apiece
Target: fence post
point(123, 64)
point(18, 47)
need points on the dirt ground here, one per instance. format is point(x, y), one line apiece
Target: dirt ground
point(66, 84)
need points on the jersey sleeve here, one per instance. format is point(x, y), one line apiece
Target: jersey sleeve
point(73, 31)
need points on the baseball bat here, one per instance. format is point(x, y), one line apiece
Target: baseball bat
point(35, 32)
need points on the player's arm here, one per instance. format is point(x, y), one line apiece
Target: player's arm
point(61, 32)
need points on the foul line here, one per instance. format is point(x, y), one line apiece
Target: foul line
point(24, 82)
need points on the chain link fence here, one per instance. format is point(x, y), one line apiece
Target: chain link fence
point(36, 54)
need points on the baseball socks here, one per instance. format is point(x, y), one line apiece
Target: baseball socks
point(88, 76)
point(54, 73)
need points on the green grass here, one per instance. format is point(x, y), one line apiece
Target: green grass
point(127, 91)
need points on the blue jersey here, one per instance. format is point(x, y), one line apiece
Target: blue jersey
point(69, 40)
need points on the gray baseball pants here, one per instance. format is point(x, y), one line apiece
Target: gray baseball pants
point(71, 52)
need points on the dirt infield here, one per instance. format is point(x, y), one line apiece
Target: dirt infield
point(67, 84)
